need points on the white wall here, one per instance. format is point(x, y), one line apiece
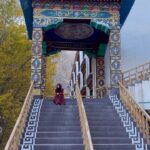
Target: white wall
point(94, 76)
point(107, 67)
point(135, 36)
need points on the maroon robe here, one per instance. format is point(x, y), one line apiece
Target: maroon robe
point(59, 97)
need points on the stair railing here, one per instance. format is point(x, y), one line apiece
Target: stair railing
point(136, 74)
point(137, 112)
point(16, 135)
point(102, 91)
point(83, 120)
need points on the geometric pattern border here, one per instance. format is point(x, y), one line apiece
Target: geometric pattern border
point(37, 35)
point(31, 129)
point(116, 63)
point(36, 76)
point(100, 71)
point(115, 49)
point(115, 77)
point(115, 57)
point(36, 65)
point(36, 48)
point(43, 73)
point(129, 125)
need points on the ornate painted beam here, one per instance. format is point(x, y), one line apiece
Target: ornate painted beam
point(27, 8)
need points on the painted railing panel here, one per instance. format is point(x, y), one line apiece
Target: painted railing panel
point(16, 135)
point(138, 113)
point(136, 74)
point(83, 120)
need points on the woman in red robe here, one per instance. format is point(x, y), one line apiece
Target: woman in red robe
point(59, 97)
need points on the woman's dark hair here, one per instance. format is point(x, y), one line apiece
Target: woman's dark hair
point(59, 85)
point(58, 89)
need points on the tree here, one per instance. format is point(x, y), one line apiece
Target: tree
point(15, 60)
point(15, 68)
point(9, 11)
point(50, 73)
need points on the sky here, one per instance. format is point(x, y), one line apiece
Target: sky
point(135, 35)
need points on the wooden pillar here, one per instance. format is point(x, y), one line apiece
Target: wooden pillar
point(115, 57)
point(43, 75)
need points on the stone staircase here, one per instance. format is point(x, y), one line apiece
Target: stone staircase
point(107, 129)
point(53, 127)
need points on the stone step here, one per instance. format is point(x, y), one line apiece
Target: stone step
point(58, 140)
point(58, 128)
point(114, 147)
point(66, 99)
point(58, 134)
point(103, 118)
point(53, 147)
point(51, 103)
point(118, 140)
point(90, 110)
point(60, 108)
point(72, 110)
point(107, 128)
point(59, 114)
point(109, 134)
point(48, 128)
point(59, 118)
point(105, 123)
point(97, 107)
point(97, 103)
point(102, 113)
point(55, 118)
point(59, 122)
point(96, 99)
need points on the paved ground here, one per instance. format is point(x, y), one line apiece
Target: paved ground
point(64, 68)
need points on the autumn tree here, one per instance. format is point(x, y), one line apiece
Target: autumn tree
point(15, 60)
point(15, 67)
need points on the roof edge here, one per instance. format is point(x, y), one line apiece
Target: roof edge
point(126, 6)
point(28, 15)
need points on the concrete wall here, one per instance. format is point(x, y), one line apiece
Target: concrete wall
point(107, 67)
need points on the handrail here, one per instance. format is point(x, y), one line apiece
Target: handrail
point(137, 73)
point(83, 120)
point(137, 112)
point(101, 91)
point(14, 139)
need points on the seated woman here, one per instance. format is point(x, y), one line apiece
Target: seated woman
point(59, 97)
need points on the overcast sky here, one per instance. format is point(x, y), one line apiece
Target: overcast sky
point(136, 34)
